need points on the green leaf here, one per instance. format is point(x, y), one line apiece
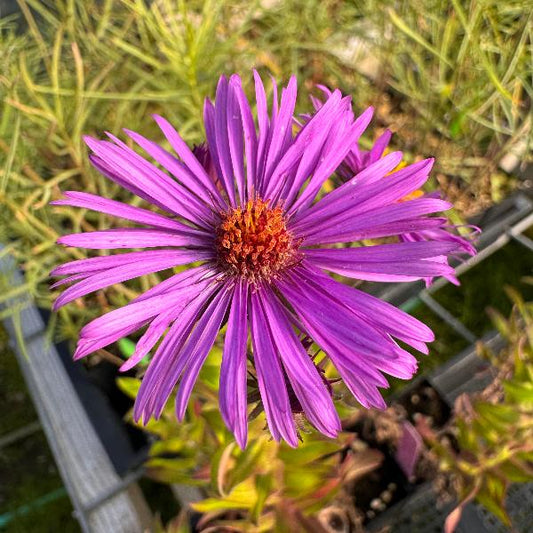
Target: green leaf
point(248, 460)
point(497, 415)
point(520, 392)
point(308, 452)
point(126, 346)
point(303, 481)
point(456, 125)
point(243, 496)
point(492, 497)
point(263, 485)
point(210, 373)
point(401, 25)
point(129, 386)
point(173, 445)
point(500, 322)
point(516, 473)
point(178, 470)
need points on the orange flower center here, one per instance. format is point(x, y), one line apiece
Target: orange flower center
point(253, 242)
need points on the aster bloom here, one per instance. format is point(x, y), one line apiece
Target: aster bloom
point(247, 214)
point(357, 160)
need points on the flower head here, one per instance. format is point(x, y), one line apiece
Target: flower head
point(358, 160)
point(247, 212)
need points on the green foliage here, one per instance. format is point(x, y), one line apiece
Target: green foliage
point(464, 65)
point(463, 69)
point(460, 74)
point(494, 430)
point(251, 489)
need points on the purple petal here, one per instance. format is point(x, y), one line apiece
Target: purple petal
point(188, 158)
point(364, 197)
point(95, 264)
point(335, 318)
point(443, 235)
point(233, 391)
point(282, 127)
point(87, 346)
point(382, 314)
point(234, 127)
point(250, 137)
point(332, 159)
point(197, 347)
point(354, 331)
point(131, 167)
point(185, 277)
point(313, 153)
point(135, 312)
point(147, 341)
point(174, 166)
point(385, 262)
point(98, 335)
point(221, 144)
point(375, 218)
point(118, 274)
point(306, 382)
point(158, 326)
point(112, 239)
point(389, 253)
point(263, 123)
point(379, 146)
point(270, 377)
point(401, 228)
point(69, 279)
point(375, 172)
point(118, 177)
point(125, 211)
point(361, 378)
point(306, 147)
point(363, 389)
point(165, 367)
point(341, 335)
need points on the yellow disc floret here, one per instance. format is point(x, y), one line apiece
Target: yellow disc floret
point(253, 242)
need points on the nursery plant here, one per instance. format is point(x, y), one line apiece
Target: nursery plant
point(488, 443)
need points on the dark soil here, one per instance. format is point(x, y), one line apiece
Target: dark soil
point(380, 489)
point(425, 400)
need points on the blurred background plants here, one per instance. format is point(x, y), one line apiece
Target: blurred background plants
point(322, 486)
point(464, 68)
point(489, 442)
point(266, 487)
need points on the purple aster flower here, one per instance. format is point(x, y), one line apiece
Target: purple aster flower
point(245, 211)
point(357, 160)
